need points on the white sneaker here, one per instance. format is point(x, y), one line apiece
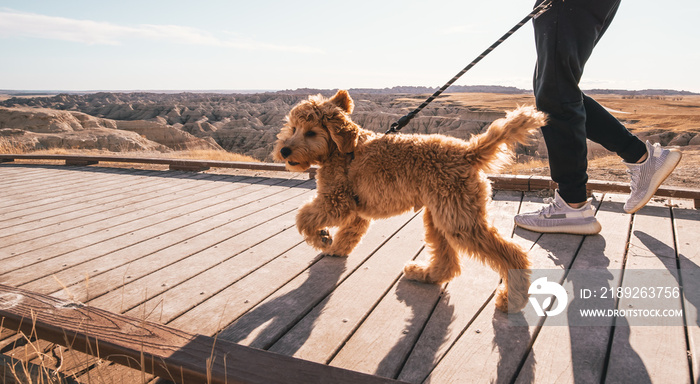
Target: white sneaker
point(648, 176)
point(558, 217)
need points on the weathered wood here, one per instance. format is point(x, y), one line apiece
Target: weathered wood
point(384, 340)
point(496, 344)
point(282, 291)
point(166, 352)
point(48, 186)
point(194, 218)
point(188, 167)
point(324, 330)
point(687, 224)
point(80, 162)
point(101, 211)
point(510, 182)
point(577, 354)
point(463, 299)
point(274, 287)
point(159, 271)
point(239, 262)
point(649, 353)
point(537, 183)
point(178, 163)
point(134, 261)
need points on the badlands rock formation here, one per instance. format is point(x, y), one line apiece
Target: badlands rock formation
point(246, 124)
point(42, 128)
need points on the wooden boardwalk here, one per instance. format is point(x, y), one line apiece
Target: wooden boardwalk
point(218, 255)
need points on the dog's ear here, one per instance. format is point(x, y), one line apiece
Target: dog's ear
point(344, 134)
point(343, 100)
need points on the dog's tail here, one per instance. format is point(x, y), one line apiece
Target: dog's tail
point(493, 149)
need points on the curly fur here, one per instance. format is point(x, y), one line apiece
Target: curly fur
point(364, 175)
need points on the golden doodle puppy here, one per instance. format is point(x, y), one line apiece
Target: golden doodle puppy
point(364, 175)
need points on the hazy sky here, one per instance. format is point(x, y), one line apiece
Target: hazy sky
point(274, 44)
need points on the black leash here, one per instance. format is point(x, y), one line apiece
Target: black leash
point(402, 122)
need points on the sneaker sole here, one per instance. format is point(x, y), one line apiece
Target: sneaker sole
point(587, 229)
point(661, 175)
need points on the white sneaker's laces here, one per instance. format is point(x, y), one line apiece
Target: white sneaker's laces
point(550, 207)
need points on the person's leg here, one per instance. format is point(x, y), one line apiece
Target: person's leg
point(604, 129)
point(565, 36)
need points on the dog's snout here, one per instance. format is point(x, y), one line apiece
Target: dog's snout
point(285, 152)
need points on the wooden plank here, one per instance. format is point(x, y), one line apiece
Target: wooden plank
point(178, 299)
point(80, 163)
point(468, 296)
point(154, 220)
point(50, 190)
point(687, 229)
point(188, 167)
point(166, 352)
point(463, 299)
point(137, 253)
point(299, 276)
point(99, 205)
point(173, 268)
point(15, 175)
point(200, 196)
point(496, 344)
point(64, 175)
point(510, 182)
point(98, 210)
point(177, 163)
point(85, 237)
point(537, 183)
point(637, 355)
point(323, 331)
point(383, 341)
point(69, 197)
point(577, 354)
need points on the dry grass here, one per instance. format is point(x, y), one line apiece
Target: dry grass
point(202, 154)
point(7, 146)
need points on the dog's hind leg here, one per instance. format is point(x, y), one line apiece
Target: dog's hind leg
point(485, 243)
point(348, 236)
point(444, 261)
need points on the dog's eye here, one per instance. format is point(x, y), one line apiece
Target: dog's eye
point(294, 130)
point(310, 133)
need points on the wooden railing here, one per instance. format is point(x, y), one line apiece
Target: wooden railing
point(158, 349)
point(173, 164)
point(505, 182)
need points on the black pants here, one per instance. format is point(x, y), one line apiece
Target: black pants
point(565, 36)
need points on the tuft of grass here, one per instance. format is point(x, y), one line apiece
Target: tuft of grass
point(217, 155)
point(7, 146)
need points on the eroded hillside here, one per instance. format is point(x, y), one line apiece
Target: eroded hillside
point(246, 124)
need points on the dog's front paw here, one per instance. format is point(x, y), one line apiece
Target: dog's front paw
point(325, 238)
point(322, 239)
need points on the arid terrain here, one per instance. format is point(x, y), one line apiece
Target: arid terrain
point(170, 124)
